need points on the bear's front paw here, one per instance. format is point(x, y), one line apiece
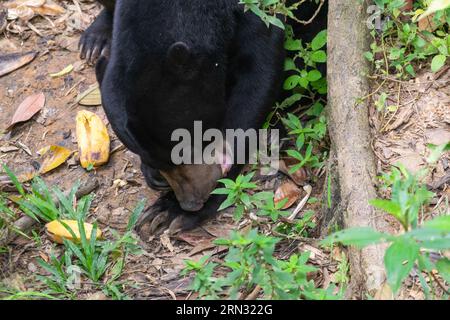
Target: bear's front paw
point(96, 40)
point(166, 214)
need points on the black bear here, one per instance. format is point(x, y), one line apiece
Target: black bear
point(162, 65)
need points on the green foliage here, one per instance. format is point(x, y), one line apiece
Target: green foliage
point(251, 263)
point(298, 228)
point(308, 55)
point(306, 135)
point(94, 258)
point(236, 192)
point(266, 10)
point(307, 83)
point(408, 195)
point(7, 217)
point(204, 283)
point(436, 152)
point(45, 204)
point(401, 43)
point(101, 261)
point(238, 195)
point(61, 277)
point(305, 80)
point(413, 247)
point(342, 275)
point(272, 11)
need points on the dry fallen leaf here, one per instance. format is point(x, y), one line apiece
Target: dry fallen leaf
point(300, 177)
point(57, 231)
point(18, 3)
point(26, 176)
point(201, 247)
point(23, 13)
point(219, 230)
point(49, 9)
point(13, 61)
point(93, 139)
point(165, 241)
point(54, 156)
point(288, 191)
point(63, 72)
point(27, 109)
point(27, 9)
point(437, 136)
point(90, 97)
point(194, 237)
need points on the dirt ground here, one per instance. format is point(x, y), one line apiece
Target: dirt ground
point(399, 136)
point(153, 275)
point(420, 116)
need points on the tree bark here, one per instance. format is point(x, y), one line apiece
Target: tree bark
point(348, 39)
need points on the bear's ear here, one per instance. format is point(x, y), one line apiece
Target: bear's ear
point(178, 55)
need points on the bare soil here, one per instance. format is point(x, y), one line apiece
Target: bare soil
point(156, 273)
point(423, 117)
point(420, 116)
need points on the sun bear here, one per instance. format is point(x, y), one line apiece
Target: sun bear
point(162, 66)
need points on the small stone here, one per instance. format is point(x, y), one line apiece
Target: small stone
point(32, 267)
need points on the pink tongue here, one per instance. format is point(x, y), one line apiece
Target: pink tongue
point(225, 169)
point(225, 162)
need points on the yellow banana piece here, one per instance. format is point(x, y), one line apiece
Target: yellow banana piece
point(93, 140)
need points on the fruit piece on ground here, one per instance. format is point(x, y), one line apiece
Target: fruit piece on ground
point(93, 140)
point(57, 231)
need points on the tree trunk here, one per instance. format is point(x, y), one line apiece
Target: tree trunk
point(350, 135)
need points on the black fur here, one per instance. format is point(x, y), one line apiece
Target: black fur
point(167, 63)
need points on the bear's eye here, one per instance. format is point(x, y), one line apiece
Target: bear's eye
point(216, 64)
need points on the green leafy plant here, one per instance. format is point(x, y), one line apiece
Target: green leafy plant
point(62, 275)
point(307, 83)
point(91, 258)
point(408, 196)
point(402, 43)
point(308, 55)
point(251, 264)
point(45, 204)
point(342, 275)
point(414, 246)
point(7, 218)
point(272, 11)
point(94, 255)
point(238, 195)
point(298, 228)
point(236, 192)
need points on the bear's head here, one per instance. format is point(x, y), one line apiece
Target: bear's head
point(164, 74)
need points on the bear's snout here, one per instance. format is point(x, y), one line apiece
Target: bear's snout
point(193, 184)
point(192, 206)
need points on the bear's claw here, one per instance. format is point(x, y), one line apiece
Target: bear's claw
point(96, 40)
point(166, 214)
